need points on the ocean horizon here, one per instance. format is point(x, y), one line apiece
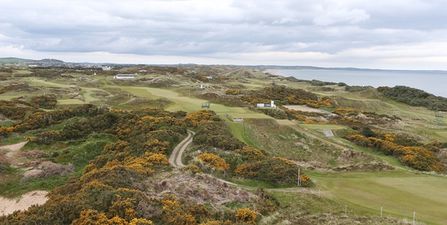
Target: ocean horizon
point(433, 82)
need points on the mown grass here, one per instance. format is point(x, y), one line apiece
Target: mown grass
point(321, 127)
point(398, 192)
point(188, 103)
point(43, 83)
point(11, 95)
point(241, 132)
point(34, 81)
point(88, 93)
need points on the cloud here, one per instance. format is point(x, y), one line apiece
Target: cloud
point(323, 32)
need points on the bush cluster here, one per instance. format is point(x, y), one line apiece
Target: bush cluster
point(414, 97)
point(110, 190)
point(417, 157)
point(44, 101)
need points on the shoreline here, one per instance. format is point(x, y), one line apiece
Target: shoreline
point(373, 78)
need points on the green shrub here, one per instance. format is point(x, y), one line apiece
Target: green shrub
point(414, 97)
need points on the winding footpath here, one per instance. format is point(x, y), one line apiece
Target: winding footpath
point(175, 159)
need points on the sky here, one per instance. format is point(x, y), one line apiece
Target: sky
point(386, 34)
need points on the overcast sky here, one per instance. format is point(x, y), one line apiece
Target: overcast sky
point(399, 34)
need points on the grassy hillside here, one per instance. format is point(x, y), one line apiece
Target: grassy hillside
point(399, 193)
point(351, 183)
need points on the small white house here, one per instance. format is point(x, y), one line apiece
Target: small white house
point(266, 105)
point(106, 68)
point(124, 76)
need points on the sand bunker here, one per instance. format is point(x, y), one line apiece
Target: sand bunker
point(305, 108)
point(8, 205)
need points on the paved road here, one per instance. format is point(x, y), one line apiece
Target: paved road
point(175, 159)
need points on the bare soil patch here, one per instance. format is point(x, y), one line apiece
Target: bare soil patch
point(305, 108)
point(8, 206)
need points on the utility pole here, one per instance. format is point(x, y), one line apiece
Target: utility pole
point(299, 177)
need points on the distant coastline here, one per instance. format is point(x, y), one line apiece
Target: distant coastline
point(431, 81)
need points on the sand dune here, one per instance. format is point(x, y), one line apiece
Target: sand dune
point(8, 206)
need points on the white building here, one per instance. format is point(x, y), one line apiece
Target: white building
point(266, 105)
point(106, 68)
point(124, 76)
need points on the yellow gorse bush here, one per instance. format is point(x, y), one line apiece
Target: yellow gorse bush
point(214, 161)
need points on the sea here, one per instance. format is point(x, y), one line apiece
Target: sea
point(434, 82)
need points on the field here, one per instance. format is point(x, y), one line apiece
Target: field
point(416, 120)
point(188, 103)
point(399, 193)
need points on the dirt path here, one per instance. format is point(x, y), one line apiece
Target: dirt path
point(12, 152)
point(8, 206)
point(175, 159)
